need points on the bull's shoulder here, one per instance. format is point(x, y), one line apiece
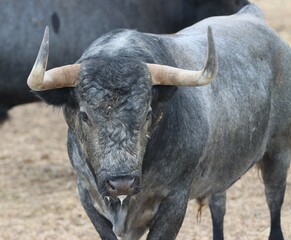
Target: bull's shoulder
point(252, 9)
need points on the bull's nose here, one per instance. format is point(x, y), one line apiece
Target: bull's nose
point(124, 185)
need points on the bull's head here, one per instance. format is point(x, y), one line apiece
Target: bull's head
point(108, 109)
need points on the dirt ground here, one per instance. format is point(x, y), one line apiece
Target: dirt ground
point(38, 195)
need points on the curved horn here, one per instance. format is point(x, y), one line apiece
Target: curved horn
point(39, 79)
point(166, 75)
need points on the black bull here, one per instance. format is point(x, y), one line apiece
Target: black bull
point(143, 138)
point(75, 25)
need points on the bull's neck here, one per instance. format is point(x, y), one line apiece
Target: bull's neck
point(179, 134)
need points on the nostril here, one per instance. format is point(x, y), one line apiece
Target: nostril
point(110, 185)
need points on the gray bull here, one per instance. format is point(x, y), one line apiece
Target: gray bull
point(75, 25)
point(143, 138)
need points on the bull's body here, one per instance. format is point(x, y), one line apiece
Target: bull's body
point(75, 25)
point(202, 139)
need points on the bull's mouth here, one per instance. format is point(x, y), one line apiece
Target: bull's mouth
point(122, 199)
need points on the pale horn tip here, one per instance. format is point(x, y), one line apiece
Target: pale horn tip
point(35, 78)
point(211, 64)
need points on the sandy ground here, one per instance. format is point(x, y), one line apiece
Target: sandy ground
point(38, 195)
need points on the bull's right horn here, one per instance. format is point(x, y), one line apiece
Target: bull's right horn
point(166, 75)
point(39, 79)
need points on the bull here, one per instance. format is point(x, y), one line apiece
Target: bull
point(75, 26)
point(146, 132)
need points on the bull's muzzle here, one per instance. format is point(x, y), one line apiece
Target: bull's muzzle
point(125, 185)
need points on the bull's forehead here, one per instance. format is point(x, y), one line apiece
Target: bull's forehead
point(108, 84)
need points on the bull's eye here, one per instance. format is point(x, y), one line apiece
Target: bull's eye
point(83, 116)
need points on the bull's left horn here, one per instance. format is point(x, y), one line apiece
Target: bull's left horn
point(39, 79)
point(166, 75)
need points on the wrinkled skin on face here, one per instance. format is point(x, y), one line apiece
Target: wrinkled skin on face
point(111, 117)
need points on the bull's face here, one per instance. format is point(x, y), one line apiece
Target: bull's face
point(111, 120)
point(107, 105)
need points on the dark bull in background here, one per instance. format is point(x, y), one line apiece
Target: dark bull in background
point(75, 24)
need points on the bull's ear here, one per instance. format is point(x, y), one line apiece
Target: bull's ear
point(57, 97)
point(163, 93)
